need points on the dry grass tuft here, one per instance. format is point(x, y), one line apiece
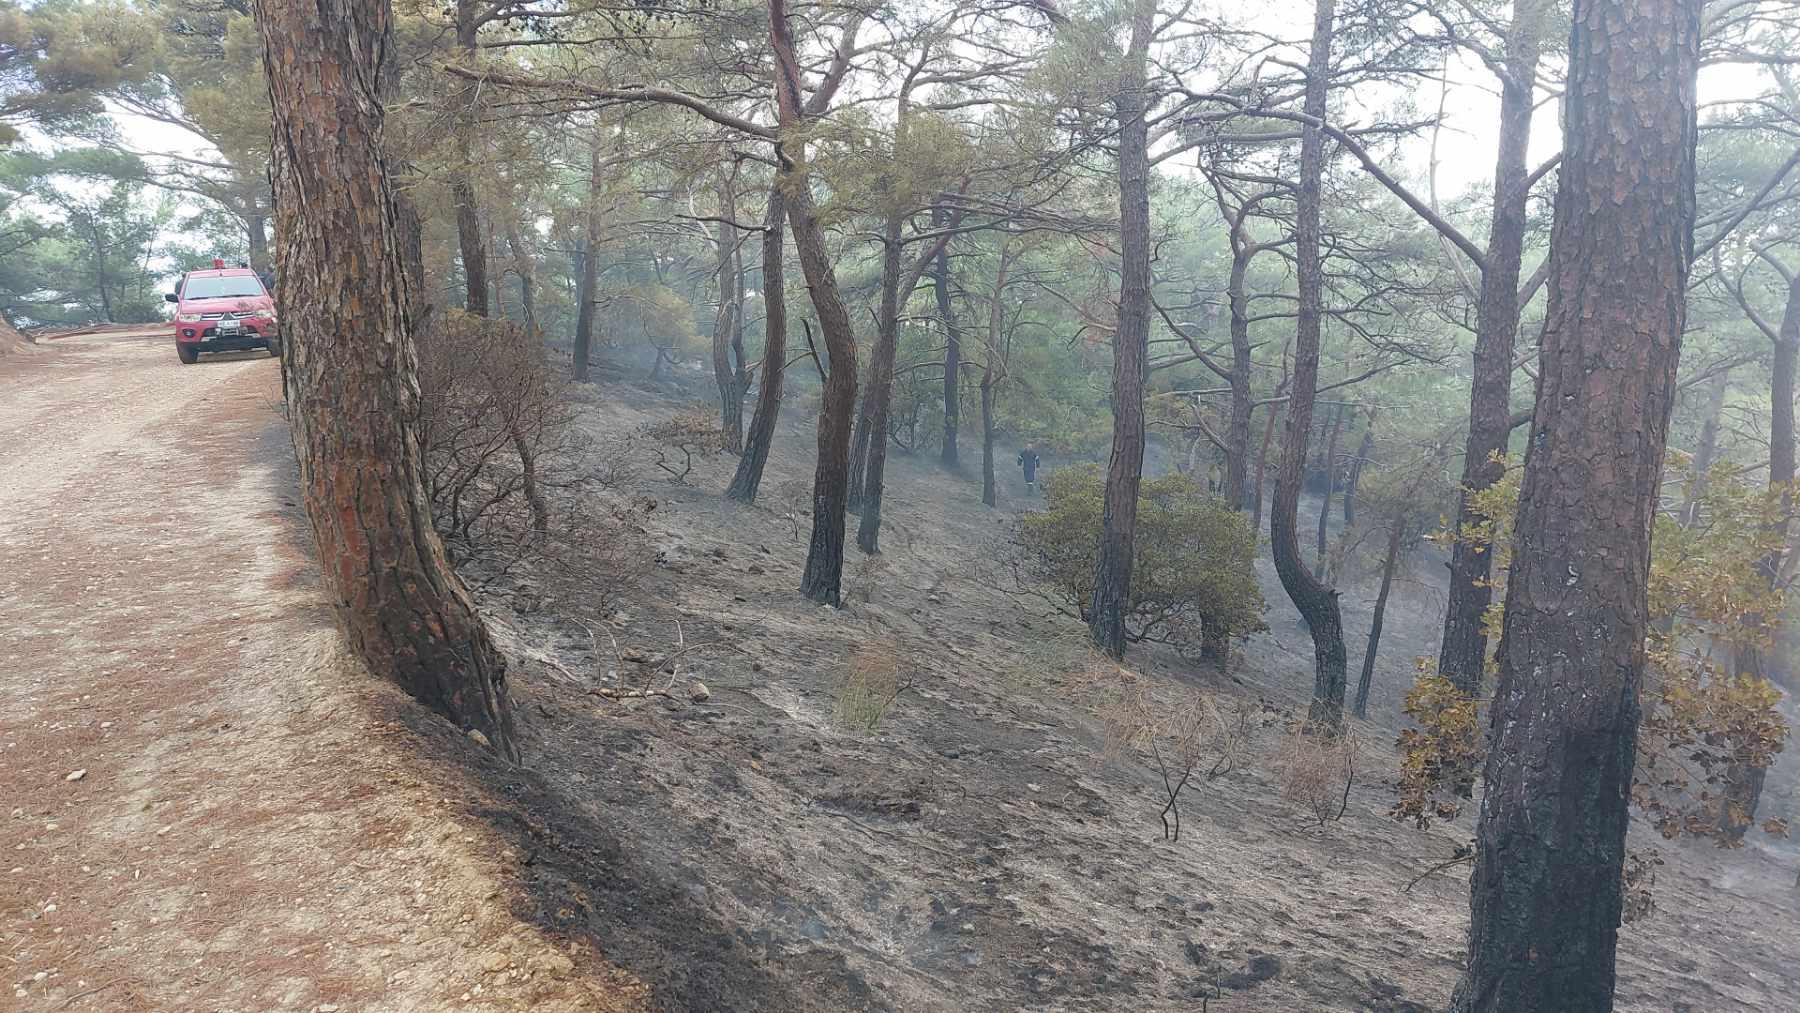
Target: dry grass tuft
point(1316, 771)
point(867, 687)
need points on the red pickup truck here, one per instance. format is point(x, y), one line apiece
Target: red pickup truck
point(226, 309)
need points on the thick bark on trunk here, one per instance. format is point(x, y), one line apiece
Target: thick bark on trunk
point(859, 454)
point(347, 314)
point(748, 479)
point(880, 393)
point(1355, 477)
point(940, 277)
point(1708, 450)
point(410, 234)
point(1125, 469)
point(1317, 603)
point(586, 293)
point(1331, 445)
point(1546, 891)
point(1463, 653)
point(822, 579)
point(1389, 564)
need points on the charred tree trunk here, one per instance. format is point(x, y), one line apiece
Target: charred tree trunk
point(1356, 467)
point(1389, 563)
point(353, 399)
point(462, 185)
point(940, 277)
point(1331, 444)
point(1125, 469)
point(587, 293)
point(859, 455)
point(731, 398)
point(1707, 451)
point(881, 388)
point(1317, 603)
point(748, 479)
point(822, 580)
point(1463, 653)
point(1546, 891)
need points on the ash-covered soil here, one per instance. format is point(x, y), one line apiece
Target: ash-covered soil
point(984, 846)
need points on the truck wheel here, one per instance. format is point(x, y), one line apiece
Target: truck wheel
point(274, 348)
point(188, 354)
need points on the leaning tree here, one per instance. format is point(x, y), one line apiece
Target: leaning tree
point(350, 366)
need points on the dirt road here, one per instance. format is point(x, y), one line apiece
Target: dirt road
point(203, 803)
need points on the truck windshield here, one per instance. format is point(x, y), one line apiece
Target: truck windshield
point(228, 287)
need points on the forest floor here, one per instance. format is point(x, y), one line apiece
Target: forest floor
point(260, 825)
point(984, 846)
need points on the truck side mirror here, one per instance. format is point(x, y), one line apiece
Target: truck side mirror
point(171, 297)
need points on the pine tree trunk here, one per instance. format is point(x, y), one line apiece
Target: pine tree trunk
point(878, 397)
point(1707, 452)
point(410, 234)
point(743, 374)
point(989, 487)
point(731, 399)
point(1462, 655)
point(1125, 468)
point(1546, 891)
point(462, 185)
point(940, 276)
point(587, 293)
point(256, 228)
point(748, 479)
point(353, 399)
point(822, 580)
point(1237, 430)
point(1331, 444)
point(1355, 477)
point(1317, 603)
point(1389, 563)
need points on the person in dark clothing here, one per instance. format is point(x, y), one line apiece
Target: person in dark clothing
point(1028, 460)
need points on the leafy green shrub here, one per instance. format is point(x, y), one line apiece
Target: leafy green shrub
point(1193, 582)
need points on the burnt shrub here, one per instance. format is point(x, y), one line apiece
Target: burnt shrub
point(521, 500)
